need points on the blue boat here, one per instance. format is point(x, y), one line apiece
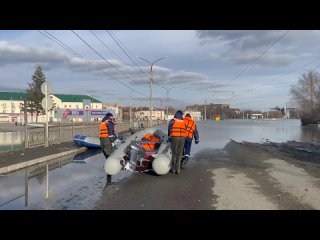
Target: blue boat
point(85, 141)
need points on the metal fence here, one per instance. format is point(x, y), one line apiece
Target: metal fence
point(60, 133)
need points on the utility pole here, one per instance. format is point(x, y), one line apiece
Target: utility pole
point(205, 109)
point(25, 124)
point(167, 104)
point(150, 84)
point(161, 108)
point(130, 110)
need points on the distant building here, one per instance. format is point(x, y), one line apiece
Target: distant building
point(68, 101)
point(144, 114)
point(10, 106)
point(68, 107)
point(196, 115)
point(76, 108)
point(116, 108)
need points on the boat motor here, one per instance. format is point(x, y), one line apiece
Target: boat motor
point(135, 151)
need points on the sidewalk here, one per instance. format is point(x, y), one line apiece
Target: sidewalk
point(11, 161)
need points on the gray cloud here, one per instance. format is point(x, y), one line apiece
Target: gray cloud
point(4, 88)
point(51, 59)
point(242, 39)
point(13, 54)
point(244, 46)
point(183, 77)
point(269, 59)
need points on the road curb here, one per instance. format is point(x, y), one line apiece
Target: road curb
point(18, 166)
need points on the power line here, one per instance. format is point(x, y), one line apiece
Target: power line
point(117, 41)
point(105, 45)
point(102, 57)
point(127, 53)
point(256, 59)
point(57, 41)
point(69, 49)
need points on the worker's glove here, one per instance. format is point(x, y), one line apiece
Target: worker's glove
point(196, 141)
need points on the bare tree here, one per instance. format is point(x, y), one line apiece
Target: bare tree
point(306, 93)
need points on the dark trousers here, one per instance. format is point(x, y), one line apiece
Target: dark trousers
point(106, 146)
point(177, 144)
point(187, 147)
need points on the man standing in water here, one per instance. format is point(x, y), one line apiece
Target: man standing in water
point(177, 134)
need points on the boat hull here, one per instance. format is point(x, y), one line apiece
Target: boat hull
point(85, 141)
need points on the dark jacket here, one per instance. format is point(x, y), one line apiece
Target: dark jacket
point(196, 134)
point(110, 126)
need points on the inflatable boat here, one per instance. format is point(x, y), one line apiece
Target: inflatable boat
point(85, 141)
point(141, 154)
point(145, 150)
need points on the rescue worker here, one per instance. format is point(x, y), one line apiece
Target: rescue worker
point(192, 132)
point(177, 134)
point(107, 136)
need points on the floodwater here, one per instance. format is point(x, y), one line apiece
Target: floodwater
point(11, 141)
point(78, 183)
point(216, 134)
point(72, 184)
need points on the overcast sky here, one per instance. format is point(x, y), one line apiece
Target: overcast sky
point(246, 69)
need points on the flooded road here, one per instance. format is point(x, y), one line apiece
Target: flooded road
point(221, 175)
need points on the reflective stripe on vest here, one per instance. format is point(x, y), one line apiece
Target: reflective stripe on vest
point(179, 128)
point(103, 130)
point(191, 126)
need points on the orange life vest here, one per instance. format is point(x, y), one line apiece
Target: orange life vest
point(191, 126)
point(151, 138)
point(104, 130)
point(179, 128)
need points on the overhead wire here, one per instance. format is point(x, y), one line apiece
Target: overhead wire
point(257, 58)
point(65, 46)
point(119, 43)
point(104, 44)
point(126, 53)
point(105, 59)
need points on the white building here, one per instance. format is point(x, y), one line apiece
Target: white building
point(144, 114)
point(68, 101)
point(195, 115)
point(73, 107)
point(116, 108)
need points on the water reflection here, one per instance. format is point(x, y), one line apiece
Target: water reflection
point(86, 156)
point(58, 184)
point(11, 141)
point(310, 133)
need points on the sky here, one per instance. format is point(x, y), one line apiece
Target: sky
point(248, 69)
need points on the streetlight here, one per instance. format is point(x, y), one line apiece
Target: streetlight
point(150, 85)
point(168, 90)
